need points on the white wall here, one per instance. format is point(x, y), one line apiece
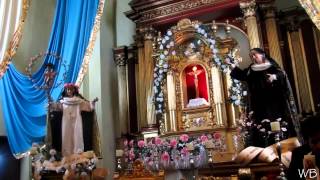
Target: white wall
point(36, 32)
point(125, 28)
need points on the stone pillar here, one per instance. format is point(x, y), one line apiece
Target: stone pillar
point(300, 68)
point(121, 58)
point(249, 11)
point(272, 33)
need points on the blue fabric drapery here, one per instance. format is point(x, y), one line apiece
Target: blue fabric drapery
point(24, 107)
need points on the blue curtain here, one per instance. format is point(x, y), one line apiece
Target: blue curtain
point(24, 107)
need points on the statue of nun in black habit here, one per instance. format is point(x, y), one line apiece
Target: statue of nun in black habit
point(270, 96)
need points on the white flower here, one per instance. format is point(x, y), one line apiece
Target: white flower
point(244, 93)
point(166, 38)
point(163, 41)
point(161, 47)
point(225, 70)
point(168, 46)
point(263, 130)
point(169, 33)
point(165, 52)
point(171, 43)
point(203, 31)
point(279, 119)
point(173, 53)
point(165, 65)
point(196, 26)
point(237, 102)
point(53, 152)
point(284, 129)
point(233, 97)
point(199, 41)
point(162, 56)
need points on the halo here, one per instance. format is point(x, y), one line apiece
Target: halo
point(35, 58)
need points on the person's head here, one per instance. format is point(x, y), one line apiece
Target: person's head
point(258, 55)
point(49, 67)
point(70, 90)
point(310, 129)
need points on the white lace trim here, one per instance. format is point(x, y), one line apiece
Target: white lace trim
point(261, 67)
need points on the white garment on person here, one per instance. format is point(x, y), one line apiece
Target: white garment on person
point(72, 132)
point(261, 67)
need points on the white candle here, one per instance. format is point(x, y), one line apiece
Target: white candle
point(275, 126)
point(119, 153)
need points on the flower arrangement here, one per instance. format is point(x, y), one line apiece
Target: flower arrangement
point(75, 165)
point(250, 129)
point(174, 153)
point(167, 47)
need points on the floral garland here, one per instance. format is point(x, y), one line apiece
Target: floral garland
point(166, 45)
point(46, 160)
point(33, 59)
point(173, 153)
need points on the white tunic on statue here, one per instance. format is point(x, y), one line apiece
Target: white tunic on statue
point(72, 132)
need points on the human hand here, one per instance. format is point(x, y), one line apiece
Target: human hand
point(271, 77)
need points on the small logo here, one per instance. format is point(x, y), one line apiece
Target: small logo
point(308, 173)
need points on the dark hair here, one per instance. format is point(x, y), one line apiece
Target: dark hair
point(310, 126)
point(75, 92)
point(270, 59)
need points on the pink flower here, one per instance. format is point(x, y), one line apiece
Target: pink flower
point(131, 154)
point(125, 142)
point(165, 156)
point(131, 143)
point(141, 144)
point(157, 141)
point(184, 138)
point(217, 135)
point(184, 151)
point(204, 138)
point(173, 143)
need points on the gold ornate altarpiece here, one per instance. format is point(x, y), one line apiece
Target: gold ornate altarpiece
point(219, 115)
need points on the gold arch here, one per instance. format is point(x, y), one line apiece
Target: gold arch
point(92, 40)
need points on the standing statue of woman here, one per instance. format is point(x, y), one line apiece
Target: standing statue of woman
point(270, 95)
point(78, 124)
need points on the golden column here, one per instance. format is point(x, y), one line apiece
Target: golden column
point(249, 11)
point(300, 68)
point(316, 35)
point(272, 33)
point(121, 59)
point(146, 109)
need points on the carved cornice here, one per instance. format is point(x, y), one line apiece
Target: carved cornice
point(121, 55)
point(248, 8)
point(268, 10)
point(168, 8)
point(292, 24)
